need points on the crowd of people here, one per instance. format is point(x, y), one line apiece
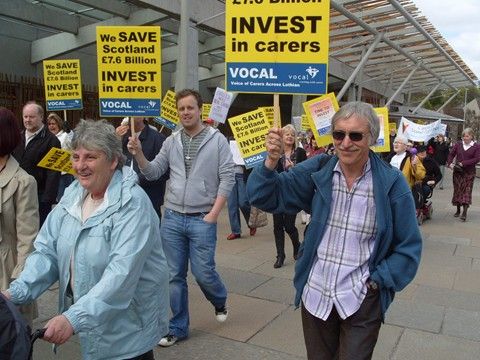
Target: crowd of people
point(122, 264)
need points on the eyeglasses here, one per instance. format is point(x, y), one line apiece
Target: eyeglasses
point(355, 136)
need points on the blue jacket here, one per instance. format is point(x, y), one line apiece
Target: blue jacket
point(121, 300)
point(308, 186)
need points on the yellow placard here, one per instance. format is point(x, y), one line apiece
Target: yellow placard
point(392, 126)
point(383, 141)
point(206, 111)
point(58, 160)
point(63, 84)
point(269, 110)
point(250, 130)
point(277, 46)
point(319, 112)
point(169, 107)
point(305, 123)
point(129, 70)
point(273, 31)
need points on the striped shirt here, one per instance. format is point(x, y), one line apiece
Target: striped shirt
point(340, 270)
point(190, 147)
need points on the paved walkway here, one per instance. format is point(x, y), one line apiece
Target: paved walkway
point(436, 317)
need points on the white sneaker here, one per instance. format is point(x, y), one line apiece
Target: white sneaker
point(168, 340)
point(221, 314)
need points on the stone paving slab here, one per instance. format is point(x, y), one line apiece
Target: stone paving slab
point(455, 262)
point(285, 272)
point(408, 292)
point(447, 297)
point(241, 282)
point(387, 341)
point(410, 314)
point(475, 241)
point(438, 248)
point(283, 334)
point(204, 346)
point(435, 275)
point(462, 323)
point(246, 316)
point(276, 289)
point(467, 281)
point(476, 264)
point(448, 240)
point(422, 345)
point(468, 251)
point(239, 262)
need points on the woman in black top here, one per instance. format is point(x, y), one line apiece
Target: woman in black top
point(286, 222)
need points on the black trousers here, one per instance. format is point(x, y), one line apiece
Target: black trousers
point(351, 339)
point(285, 223)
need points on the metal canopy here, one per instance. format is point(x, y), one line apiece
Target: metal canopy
point(402, 24)
point(408, 39)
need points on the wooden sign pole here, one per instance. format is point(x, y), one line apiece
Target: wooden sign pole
point(276, 111)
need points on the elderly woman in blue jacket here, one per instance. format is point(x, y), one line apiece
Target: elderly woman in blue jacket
point(102, 244)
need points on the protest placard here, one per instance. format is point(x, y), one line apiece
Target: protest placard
point(269, 112)
point(319, 112)
point(275, 46)
point(250, 130)
point(305, 123)
point(129, 70)
point(220, 105)
point(58, 160)
point(206, 111)
point(420, 133)
point(383, 141)
point(63, 84)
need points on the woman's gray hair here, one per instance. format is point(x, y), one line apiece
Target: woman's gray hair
point(362, 110)
point(468, 131)
point(98, 135)
point(401, 138)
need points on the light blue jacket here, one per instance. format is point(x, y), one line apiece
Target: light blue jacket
point(121, 300)
point(308, 186)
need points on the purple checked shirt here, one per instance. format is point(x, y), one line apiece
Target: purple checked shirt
point(340, 271)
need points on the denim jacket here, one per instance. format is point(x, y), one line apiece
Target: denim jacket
point(120, 279)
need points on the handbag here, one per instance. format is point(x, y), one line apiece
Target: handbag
point(258, 218)
point(457, 168)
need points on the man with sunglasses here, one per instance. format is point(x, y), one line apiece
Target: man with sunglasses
point(363, 243)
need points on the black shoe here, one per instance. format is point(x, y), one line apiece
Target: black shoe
point(279, 262)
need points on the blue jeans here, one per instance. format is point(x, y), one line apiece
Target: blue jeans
point(187, 237)
point(238, 200)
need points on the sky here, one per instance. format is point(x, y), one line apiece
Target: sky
point(459, 23)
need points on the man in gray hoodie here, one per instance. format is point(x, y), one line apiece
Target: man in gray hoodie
point(201, 178)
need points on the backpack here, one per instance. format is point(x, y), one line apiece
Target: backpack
point(14, 332)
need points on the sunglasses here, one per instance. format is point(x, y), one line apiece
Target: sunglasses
point(339, 135)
